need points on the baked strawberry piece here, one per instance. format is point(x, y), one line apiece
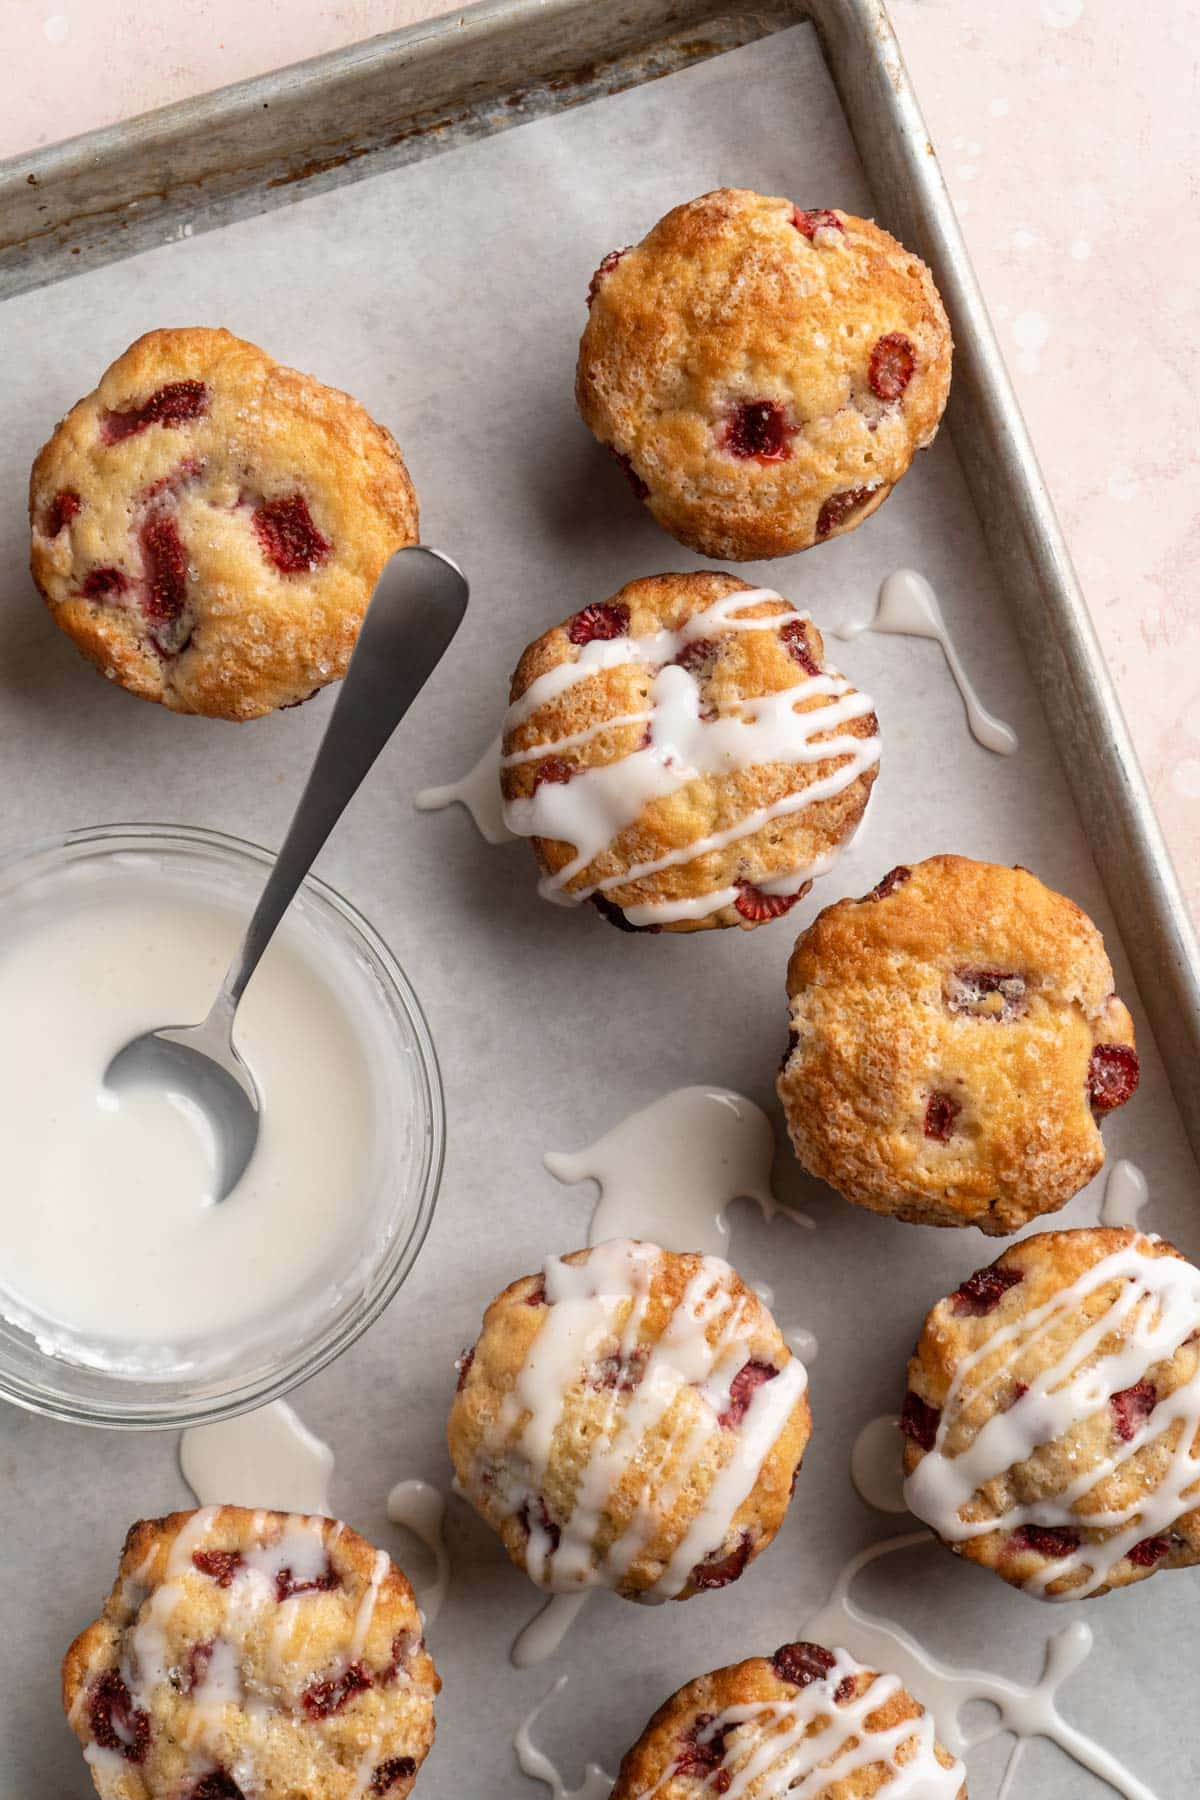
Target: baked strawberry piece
point(208, 525)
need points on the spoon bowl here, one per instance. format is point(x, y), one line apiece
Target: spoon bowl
point(417, 607)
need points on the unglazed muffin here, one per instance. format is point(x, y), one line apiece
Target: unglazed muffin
point(632, 1419)
point(763, 373)
point(683, 756)
point(955, 1039)
point(252, 1656)
point(1053, 1413)
point(208, 526)
point(807, 1720)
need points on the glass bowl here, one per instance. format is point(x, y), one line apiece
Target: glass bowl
point(270, 1356)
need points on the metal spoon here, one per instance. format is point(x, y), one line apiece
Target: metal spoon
point(416, 609)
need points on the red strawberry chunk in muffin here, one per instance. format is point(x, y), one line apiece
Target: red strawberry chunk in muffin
point(893, 360)
point(220, 1565)
point(176, 403)
point(919, 1421)
point(941, 1115)
point(1051, 1541)
point(758, 431)
point(756, 905)
point(330, 1693)
point(802, 1663)
point(719, 1571)
point(117, 1724)
point(1113, 1072)
point(983, 1291)
point(821, 219)
point(598, 621)
point(838, 508)
point(289, 539)
point(61, 510)
point(1132, 1407)
point(742, 1389)
point(104, 584)
point(388, 1773)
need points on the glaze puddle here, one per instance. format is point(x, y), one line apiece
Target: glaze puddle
point(1027, 1712)
point(1125, 1194)
point(421, 1509)
point(877, 1465)
point(537, 1765)
point(546, 1630)
point(268, 1458)
point(479, 792)
point(908, 607)
point(667, 1173)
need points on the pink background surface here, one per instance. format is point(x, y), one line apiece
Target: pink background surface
point(1068, 136)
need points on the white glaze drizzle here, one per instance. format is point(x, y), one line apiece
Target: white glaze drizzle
point(538, 1640)
point(908, 607)
point(1156, 1308)
point(538, 1766)
point(268, 1458)
point(668, 1172)
point(1125, 1194)
point(597, 804)
point(421, 1509)
point(594, 1310)
point(771, 1742)
point(479, 792)
point(1027, 1712)
point(877, 1464)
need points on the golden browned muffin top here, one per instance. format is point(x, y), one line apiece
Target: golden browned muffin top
point(208, 526)
point(954, 1039)
point(763, 373)
point(252, 1656)
point(1053, 1413)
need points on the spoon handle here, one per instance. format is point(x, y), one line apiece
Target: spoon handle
point(415, 611)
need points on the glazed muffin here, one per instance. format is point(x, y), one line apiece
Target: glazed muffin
point(630, 1419)
point(683, 756)
point(208, 526)
point(252, 1656)
point(763, 373)
point(806, 1720)
point(955, 1040)
point(1053, 1413)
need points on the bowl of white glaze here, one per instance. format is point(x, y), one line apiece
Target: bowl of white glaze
point(128, 1297)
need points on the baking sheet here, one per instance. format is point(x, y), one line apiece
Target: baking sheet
point(449, 297)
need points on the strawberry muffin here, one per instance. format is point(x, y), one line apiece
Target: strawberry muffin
point(763, 372)
point(1053, 1414)
point(208, 526)
point(805, 1721)
point(955, 1041)
point(683, 755)
point(630, 1419)
point(252, 1656)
